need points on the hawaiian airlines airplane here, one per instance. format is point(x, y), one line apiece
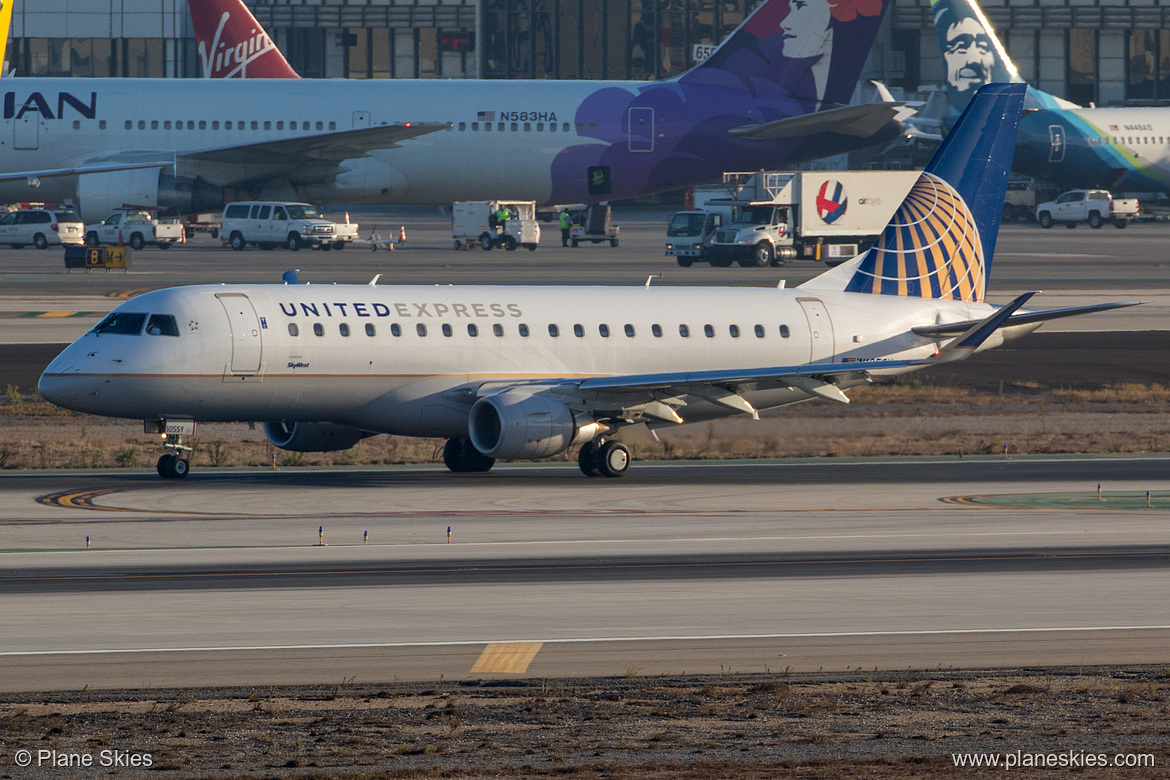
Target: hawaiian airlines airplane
point(1116, 148)
point(774, 93)
point(232, 44)
point(515, 373)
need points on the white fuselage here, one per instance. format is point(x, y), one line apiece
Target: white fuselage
point(236, 356)
point(502, 142)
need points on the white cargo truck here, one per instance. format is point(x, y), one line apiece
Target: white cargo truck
point(477, 222)
point(817, 215)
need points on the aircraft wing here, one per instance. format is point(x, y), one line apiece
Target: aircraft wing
point(860, 121)
point(327, 147)
point(106, 167)
point(321, 147)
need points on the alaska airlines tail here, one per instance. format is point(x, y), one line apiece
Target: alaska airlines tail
point(974, 56)
point(941, 240)
point(811, 50)
point(232, 44)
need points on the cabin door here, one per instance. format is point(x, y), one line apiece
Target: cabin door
point(1056, 143)
point(820, 329)
point(245, 327)
point(641, 129)
point(27, 131)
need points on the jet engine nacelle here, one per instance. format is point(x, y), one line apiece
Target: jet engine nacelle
point(98, 194)
point(312, 436)
point(518, 426)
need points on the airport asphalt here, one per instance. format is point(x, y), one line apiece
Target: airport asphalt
point(677, 568)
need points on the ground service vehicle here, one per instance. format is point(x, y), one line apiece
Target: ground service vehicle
point(41, 228)
point(135, 229)
point(1093, 206)
point(268, 224)
point(817, 215)
point(689, 233)
point(474, 222)
point(594, 226)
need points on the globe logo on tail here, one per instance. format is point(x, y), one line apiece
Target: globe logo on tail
point(930, 249)
point(831, 201)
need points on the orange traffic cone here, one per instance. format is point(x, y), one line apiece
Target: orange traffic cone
point(402, 234)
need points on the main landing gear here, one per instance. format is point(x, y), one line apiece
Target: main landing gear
point(608, 459)
point(462, 457)
point(176, 463)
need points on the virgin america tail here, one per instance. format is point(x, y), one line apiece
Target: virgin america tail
point(232, 44)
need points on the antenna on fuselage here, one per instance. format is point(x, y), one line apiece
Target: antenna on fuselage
point(650, 278)
point(374, 281)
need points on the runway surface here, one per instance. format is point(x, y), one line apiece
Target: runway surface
point(680, 568)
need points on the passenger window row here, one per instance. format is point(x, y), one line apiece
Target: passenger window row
point(554, 330)
point(203, 124)
point(528, 127)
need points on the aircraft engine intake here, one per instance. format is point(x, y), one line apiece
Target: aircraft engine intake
point(518, 426)
point(312, 436)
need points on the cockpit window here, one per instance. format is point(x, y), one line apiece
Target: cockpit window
point(125, 322)
point(162, 325)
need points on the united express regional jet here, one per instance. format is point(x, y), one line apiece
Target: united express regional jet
point(1115, 148)
point(774, 93)
point(509, 373)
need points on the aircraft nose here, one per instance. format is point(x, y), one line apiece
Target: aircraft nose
point(63, 384)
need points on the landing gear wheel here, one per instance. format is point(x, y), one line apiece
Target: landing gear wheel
point(587, 459)
point(613, 460)
point(461, 457)
point(173, 467)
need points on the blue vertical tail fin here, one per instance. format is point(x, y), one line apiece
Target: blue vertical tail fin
point(811, 50)
point(941, 240)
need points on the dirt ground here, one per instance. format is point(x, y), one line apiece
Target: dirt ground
point(760, 726)
point(909, 417)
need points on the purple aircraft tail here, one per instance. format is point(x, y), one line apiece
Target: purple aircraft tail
point(812, 50)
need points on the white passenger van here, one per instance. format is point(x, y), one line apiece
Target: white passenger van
point(269, 224)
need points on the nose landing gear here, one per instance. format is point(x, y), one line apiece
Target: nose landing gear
point(177, 462)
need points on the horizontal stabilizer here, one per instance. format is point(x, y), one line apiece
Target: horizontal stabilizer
point(1027, 318)
point(858, 121)
point(972, 339)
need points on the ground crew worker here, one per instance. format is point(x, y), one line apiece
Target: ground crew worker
point(502, 216)
point(566, 223)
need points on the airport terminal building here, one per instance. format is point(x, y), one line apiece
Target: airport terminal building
point(1089, 51)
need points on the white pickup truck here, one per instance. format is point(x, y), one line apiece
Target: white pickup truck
point(1093, 206)
point(135, 229)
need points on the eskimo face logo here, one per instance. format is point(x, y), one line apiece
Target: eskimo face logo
point(831, 201)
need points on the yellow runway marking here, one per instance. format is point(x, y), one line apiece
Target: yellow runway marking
point(506, 658)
